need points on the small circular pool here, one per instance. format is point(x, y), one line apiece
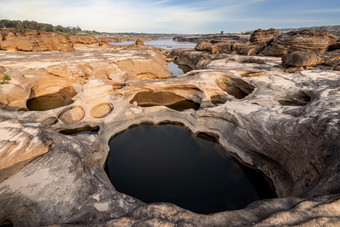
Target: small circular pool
point(167, 163)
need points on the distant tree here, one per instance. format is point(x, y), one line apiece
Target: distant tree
point(222, 32)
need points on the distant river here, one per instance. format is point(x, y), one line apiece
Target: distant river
point(161, 43)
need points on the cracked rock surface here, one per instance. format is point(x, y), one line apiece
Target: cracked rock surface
point(286, 125)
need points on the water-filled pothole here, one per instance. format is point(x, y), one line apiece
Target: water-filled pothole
point(167, 163)
point(178, 69)
point(160, 98)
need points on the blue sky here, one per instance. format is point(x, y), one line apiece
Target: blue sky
point(175, 16)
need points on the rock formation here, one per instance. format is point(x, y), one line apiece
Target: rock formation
point(285, 125)
point(263, 37)
point(31, 40)
point(298, 49)
point(201, 38)
point(307, 40)
point(139, 42)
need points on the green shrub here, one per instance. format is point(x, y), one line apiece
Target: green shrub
point(6, 79)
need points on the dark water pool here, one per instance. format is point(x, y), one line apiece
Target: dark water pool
point(176, 69)
point(167, 163)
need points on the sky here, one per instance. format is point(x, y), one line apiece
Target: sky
point(175, 16)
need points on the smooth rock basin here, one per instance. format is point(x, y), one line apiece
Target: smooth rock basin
point(167, 163)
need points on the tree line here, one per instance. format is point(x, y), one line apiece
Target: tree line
point(33, 25)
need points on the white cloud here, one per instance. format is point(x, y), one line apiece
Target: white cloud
point(153, 15)
point(112, 16)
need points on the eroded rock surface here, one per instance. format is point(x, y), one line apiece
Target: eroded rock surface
point(286, 125)
point(260, 36)
point(307, 40)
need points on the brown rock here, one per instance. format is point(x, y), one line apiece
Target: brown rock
point(335, 46)
point(214, 47)
point(88, 40)
point(203, 46)
point(293, 69)
point(263, 36)
point(220, 47)
point(243, 49)
point(306, 40)
point(28, 40)
point(302, 59)
point(101, 110)
point(139, 42)
point(72, 114)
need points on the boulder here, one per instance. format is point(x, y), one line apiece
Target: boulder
point(139, 42)
point(214, 47)
point(203, 46)
point(302, 59)
point(260, 36)
point(244, 49)
point(306, 40)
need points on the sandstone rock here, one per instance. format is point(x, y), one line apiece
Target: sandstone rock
point(27, 40)
point(72, 114)
point(20, 143)
point(335, 46)
point(208, 38)
point(13, 97)
point(139, 42)
point(203, 46)
point(293, 69)
point(302, 59)
point(243, 49)
point(306, 40)
point(294, 146)
point(262, 37)
point(101, 110)
point(214, 47)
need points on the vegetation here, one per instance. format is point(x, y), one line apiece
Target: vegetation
point(6, 79)
point(33, 25)
point(228, 82)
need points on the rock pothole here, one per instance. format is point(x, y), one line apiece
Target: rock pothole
point(296, 99)
point(72, 114)
point(101, 110)
point(51, 100)
point(235, 87)
point(164, 98)
point(156, 168)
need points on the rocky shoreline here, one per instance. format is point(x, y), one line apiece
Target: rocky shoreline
point(280, 121)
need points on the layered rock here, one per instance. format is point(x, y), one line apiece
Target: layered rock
point(207, 38)
point(302, 59)
point(307, 40)
point(263, 37)
point(31, 40)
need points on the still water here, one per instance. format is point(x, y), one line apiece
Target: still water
point(161, 43)
point(167, 163)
